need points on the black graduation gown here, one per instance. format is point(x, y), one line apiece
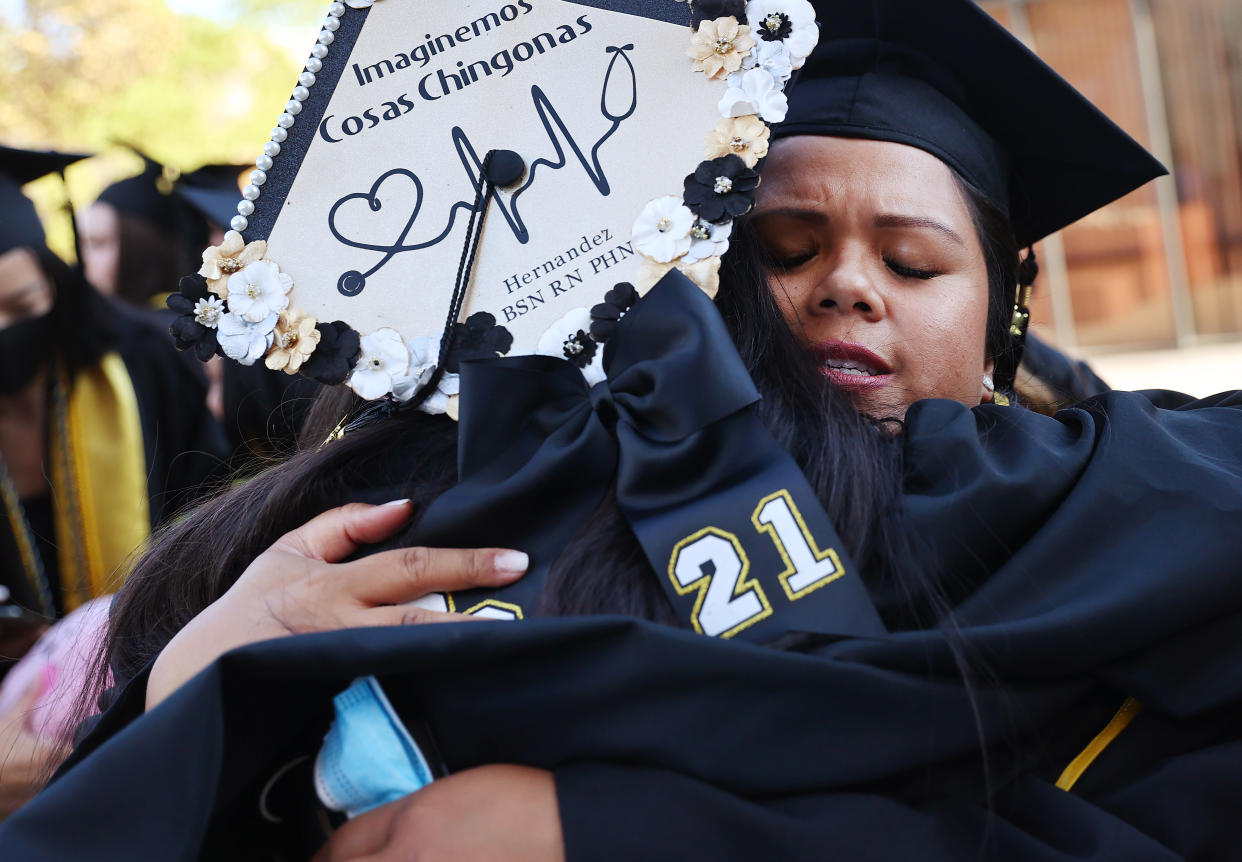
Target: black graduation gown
point(1092, 557)
point(183, 444)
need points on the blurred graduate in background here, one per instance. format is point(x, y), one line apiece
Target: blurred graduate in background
point(103, 436)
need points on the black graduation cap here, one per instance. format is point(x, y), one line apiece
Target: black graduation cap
point(944, 76)
point(19, 222)
point(213, 191)
point(147, 195)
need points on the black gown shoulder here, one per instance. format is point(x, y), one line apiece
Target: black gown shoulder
point(1092, 559)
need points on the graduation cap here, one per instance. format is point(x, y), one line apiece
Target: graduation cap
point(213, 191)
point(944, 76)
point(19, 222)
point(465, 179)
point(148, 195)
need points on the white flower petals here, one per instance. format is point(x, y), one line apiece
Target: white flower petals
point(208, 311)
point(662, 230)
point(244, 340)
point(384, 358)
point(756, 92)
point(715, 244)
point(259, 290)
point(804, 33)
point(424, 354)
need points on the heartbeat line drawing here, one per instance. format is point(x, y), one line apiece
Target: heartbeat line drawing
point(620, 81)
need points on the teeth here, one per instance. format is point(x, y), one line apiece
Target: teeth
point(850, 367)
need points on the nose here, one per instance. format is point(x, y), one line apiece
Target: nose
point(847, 288)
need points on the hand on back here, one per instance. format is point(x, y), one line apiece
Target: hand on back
point(299, 585)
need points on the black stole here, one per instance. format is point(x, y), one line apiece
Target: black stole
point(734, 532)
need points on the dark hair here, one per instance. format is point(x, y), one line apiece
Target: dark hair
point(1000, 254)
point(151, 259)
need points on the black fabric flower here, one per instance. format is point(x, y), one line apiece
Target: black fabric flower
point(721, 189)
point(334, 357)
point(579, 348)
point(606, 315)
point(774, 27)
point(186, 330)
point(710, 10)
point(480, 337)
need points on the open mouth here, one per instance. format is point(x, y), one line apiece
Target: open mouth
point(851, 366)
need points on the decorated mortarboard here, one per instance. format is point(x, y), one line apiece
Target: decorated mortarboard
point(213, 190)
point(944, 76)
point(19, 222)
point(148, 195)
point(469, 179)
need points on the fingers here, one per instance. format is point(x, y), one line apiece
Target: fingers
point(338, 532)
point(405, 574)
point(408, 615)
point(364, 835)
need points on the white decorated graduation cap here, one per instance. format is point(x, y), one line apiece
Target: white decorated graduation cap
point(489, 171)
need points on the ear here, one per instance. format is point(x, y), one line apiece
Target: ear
point(987, 389)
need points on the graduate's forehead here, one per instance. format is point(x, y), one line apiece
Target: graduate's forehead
point(822, 173)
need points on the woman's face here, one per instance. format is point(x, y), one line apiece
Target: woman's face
point(99, 233)
point(25, 291)
point(877, 267)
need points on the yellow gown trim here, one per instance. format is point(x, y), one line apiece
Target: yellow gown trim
point(1096, 747)
point(99, 477)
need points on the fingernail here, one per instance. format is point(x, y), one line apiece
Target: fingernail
point(510, 563)
point(405, 501)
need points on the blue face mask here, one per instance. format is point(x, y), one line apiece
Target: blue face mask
point(368, 758)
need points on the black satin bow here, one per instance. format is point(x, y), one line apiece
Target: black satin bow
point(539, 448)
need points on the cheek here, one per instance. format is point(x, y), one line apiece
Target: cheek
point(789, 294)
point(947, 343)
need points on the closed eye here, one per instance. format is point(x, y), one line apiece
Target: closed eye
point(790, 261)
point(904, 271)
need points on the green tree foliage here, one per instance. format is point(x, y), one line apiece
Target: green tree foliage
point(186, 88)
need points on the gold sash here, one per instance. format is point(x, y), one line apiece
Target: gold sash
point(99, 480)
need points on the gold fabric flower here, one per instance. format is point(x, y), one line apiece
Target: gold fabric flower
point(229, 258)
point(718, 47)
point(295, 340)
point(745, 137)
point(705, 273)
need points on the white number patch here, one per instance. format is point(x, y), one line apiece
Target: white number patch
point(806, 567)
point(713, 563)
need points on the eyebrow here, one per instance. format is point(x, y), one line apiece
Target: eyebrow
point(893, 220)
point(809, 214)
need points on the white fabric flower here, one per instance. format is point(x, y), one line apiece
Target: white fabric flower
point(384, 358)
point(360, 4)
point(662, 230)
point(569, 338)
point(424, 354)
point(244, 340)
point(775, 57)
point(714, 244)
point(756, 92)
point(800, 17)
point(208, 311)
point(259, 290)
